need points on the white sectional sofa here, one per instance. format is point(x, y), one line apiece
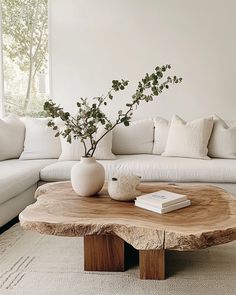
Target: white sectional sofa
point(19, 178)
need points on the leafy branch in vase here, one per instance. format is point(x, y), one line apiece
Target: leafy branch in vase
point(90, 116)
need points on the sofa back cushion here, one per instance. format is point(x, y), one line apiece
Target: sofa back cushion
point(12, 132)
point(161, 129)
point(188, 139)
point(137, 138)
point(223, 139)
point(75, 150)
point(40, 141)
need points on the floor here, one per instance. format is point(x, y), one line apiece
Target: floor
point(36, 264)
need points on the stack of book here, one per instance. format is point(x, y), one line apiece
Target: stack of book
point(162, 201)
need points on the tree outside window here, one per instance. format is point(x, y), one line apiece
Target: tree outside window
point(25, 56)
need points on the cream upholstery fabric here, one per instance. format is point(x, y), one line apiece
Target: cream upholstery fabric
point(134, 139)
point(222, 143)
point(17, 176)
point(40, 142)
point(12, 207)
point(75, 150)
point(161, 130)
point(12, 132)
point(188, 139)
point(155, 168)
point(60, 170)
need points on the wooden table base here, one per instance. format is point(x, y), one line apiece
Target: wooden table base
point(104, 253)
point(152, 264)
point(111, 253)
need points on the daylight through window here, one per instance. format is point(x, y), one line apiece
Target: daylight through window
point(25, 56)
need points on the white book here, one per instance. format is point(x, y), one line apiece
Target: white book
point(163, 210)
point(162, 198)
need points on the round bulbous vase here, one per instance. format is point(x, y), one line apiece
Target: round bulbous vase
point(87, 177)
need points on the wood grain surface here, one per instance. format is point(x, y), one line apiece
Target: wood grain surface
point(210, 220)
point(104, 253)
point(152, 264)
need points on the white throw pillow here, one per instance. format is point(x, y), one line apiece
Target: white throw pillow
point(137, 138)
point(12, 133)
point(188, 139)
point(40, 141)
point(223, 140)
point(75, 150)
point(161, 129)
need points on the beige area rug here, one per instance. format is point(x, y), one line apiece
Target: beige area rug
point(36, 264)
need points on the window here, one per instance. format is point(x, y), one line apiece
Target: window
point(25, 56)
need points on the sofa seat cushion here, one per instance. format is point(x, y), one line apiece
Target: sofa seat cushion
point(155, 168)
point(17, 176)
point(60, 170)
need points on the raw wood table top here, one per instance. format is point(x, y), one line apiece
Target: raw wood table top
point(210, 220)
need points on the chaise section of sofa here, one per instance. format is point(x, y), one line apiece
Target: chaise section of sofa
point(18, 182)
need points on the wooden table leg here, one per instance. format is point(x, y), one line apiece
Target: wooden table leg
point(152, 264)
point(104, 253)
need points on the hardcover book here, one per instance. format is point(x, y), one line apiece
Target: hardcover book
point(166, 209)
point(161, 198)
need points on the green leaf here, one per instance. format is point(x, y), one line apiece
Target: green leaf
point(108, 126)
point(159, 74)
point(69, 138)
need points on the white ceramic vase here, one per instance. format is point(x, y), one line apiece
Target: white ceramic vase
point(87, 177)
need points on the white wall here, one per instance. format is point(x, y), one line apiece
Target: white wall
point(93, 42)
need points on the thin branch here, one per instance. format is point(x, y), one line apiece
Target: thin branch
point(79, 125)
point(85, 148)
point(118, 121)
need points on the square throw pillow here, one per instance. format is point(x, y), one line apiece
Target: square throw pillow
point(222, 143)
point(75, 150)
point(161, 129)
point(188, 139)
point(40, 141)
point(137, 138)
point(12, 134)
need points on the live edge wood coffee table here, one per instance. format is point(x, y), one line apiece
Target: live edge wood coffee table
point(109, 227)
